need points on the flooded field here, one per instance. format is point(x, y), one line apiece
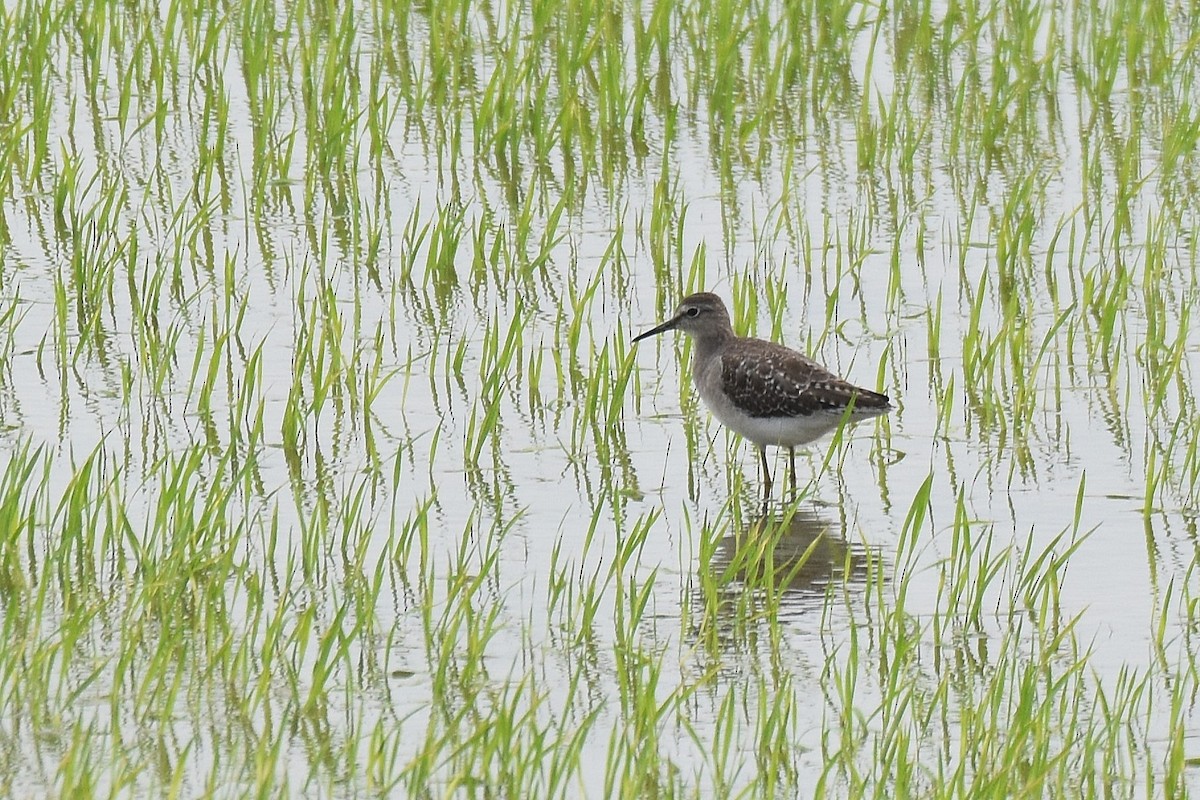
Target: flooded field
point(328, 467)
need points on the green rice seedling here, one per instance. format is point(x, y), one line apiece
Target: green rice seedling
point(589, 419)
point(633, 591)
point(1033, 681)
point(445, 238)
point(34, 30)
point(567, 595)
point(24, 480)
point(576, 320)
point(12, 315)
point(668, 216)
point(1161, 350)
point(1104, 293)
point(330, 87)
point(969, 570)
point(500, 361)
point(156, 344)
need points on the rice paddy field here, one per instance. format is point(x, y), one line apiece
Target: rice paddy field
point(328, 468)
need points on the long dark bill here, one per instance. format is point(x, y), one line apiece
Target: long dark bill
point(666, 326)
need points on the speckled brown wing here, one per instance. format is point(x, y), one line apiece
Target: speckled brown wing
point(769, 380)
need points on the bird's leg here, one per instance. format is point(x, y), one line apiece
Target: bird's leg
point(792, 467)
point(762, 454)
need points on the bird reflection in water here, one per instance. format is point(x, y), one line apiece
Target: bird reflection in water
point(773, 567)
point(808, 550)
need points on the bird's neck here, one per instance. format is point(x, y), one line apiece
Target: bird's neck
point(711, 343)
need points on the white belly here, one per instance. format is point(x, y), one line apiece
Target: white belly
point(777, 431)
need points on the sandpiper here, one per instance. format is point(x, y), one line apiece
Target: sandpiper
point(764, 391)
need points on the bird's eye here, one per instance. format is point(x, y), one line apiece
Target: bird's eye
point(693, 312)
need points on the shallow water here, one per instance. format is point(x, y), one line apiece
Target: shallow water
point(358, 467)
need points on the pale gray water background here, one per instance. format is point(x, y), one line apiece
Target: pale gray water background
point(537, 484)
